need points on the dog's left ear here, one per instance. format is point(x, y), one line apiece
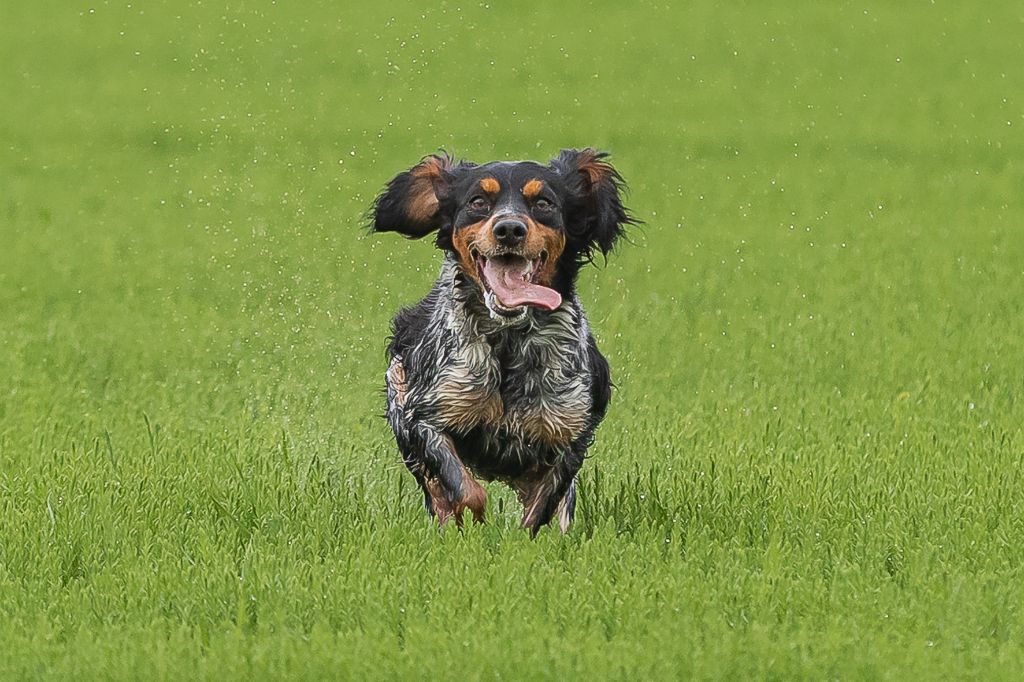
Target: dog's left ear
point(412, 203)
point(598, 188)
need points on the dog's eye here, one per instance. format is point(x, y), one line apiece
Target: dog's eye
point(479, 204)
point(543, 204)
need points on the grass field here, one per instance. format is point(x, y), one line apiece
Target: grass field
point(813, 466)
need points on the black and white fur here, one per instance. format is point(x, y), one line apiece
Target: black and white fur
point(478, 391)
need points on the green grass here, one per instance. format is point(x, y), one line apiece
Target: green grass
point(812, 466)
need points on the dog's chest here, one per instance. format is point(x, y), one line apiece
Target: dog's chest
point(532, 387)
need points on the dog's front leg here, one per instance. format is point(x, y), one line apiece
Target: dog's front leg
point(429, 454)
point(449, 487)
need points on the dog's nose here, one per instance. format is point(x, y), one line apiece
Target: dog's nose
point(510, 232)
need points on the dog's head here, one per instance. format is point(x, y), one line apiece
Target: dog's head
point(519, 230)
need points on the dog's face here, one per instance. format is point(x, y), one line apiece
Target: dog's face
point(519, 230)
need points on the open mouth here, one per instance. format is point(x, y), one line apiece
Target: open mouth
point(511, 282)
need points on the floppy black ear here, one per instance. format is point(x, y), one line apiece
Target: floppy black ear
point(600, 216)
point(412, 202)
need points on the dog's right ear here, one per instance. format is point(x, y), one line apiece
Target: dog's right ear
point(413, 202)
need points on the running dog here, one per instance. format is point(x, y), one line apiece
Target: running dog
point(495, 374)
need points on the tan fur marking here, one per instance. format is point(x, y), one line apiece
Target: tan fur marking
point(422, 203)
point(422, 206)
point(461, 410)
point(476, 236)
point(490, 185)
point(597, 170)
point(443, 509)
point(473, 498)
point(554, 427)
point(531, 491)
point(543, 238)
point(532, 188)
point(396, 378)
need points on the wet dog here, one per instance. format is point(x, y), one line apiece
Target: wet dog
point(495, 374)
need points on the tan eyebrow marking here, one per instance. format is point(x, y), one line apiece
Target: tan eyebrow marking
point(490, 185)
point(532, 188)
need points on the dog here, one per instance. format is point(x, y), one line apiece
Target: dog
point(495, 374)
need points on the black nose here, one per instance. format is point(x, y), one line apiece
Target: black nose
point(510, 232)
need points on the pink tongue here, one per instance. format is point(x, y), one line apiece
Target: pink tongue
point(506, 280)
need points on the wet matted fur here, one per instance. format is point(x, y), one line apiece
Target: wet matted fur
point(495, 374)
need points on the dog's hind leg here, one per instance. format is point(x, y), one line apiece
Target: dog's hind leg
point(566, 508)
point(429, 454)
point(551, 493)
